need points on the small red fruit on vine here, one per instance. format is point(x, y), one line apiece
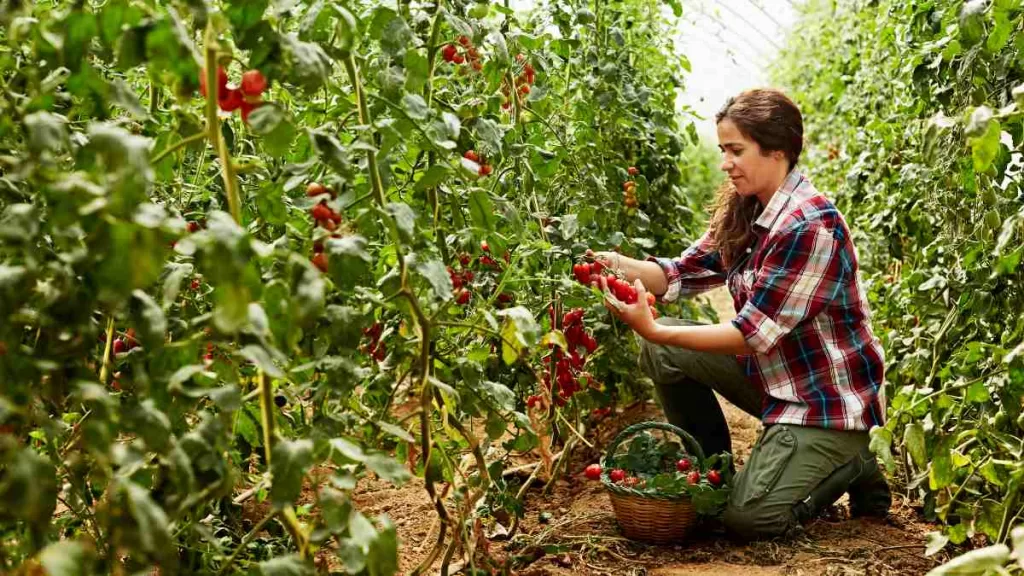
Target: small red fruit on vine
point(617, 475)
point(222, 81)
point(632, 171)
point(693, 478)
point(316, 189)
point(484, 246)
point(458, 59)
point(683, 465)
point(230, 100)
point(533, 401)
point(196, 284)
point(320, 261)
point(465, 41)
point(119, 346)
point(247, 108)
point(449, 52)
point(253, 83)
point(193, 227)
point(471, 155)
point(593, 472)
point(462, 296)
point(485, 169)
point(321, 212)
point(714, 477)
point(628, 185)
point(464, 259)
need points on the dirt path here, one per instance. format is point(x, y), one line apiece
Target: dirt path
point(572, 529)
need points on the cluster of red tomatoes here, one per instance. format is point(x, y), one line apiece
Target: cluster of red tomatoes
point(483, 168)
point(325, 217)
point(629, 189)
point(463, 277)
point(568, 365)
point(524, 80)
point(468, 53)
point(589, 273)
point(683, 466)
point(374, 348)
point(247, 96)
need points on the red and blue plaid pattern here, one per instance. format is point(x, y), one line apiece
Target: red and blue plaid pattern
point(802, 309)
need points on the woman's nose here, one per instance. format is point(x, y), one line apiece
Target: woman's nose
point(726, 165)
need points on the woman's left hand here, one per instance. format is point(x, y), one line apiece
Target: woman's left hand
point(637, 315)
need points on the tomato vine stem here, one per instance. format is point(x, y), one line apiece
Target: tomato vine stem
point(213, 126)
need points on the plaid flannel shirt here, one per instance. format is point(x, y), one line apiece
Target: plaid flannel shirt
point(801, 308)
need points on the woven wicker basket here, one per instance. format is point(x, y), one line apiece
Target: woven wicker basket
point(655, 518)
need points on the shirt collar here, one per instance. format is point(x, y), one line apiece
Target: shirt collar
point(780, 200)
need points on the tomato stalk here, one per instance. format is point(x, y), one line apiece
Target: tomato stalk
point(179, 145)
point(105, 367)
point(213, 127)
point(422, 321)
point(245, 541)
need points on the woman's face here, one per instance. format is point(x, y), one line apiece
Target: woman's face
point(751, 172)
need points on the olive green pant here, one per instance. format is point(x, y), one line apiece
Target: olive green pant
point(788, 462)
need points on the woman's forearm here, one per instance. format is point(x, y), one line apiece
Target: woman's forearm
point(650, 273)
point(721, 338)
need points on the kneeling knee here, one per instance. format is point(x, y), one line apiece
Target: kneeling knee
point(758, 522)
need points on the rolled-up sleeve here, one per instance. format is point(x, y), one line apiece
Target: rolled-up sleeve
point(802, 272)
point(698, 269)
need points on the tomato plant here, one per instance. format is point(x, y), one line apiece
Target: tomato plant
point(198, 308)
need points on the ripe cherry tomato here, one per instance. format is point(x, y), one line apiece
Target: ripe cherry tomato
point(593, 472)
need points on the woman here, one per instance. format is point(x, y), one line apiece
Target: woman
point(800, 354)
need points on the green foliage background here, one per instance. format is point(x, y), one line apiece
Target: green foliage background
point(250, 368)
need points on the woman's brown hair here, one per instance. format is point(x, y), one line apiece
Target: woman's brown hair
point(771, 119)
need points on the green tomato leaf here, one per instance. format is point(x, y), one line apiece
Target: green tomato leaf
point(881, 446)
point(67, 558)
point(388, 468)
point(290, 565)
point(289, 461)
point(914, 440)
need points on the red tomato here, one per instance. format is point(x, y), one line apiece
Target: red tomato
point(617, 475)
point(714, 477)
point(229, 100)
point(253, 83)
point(693, 477)
point(320, 261)
point(593, 472)
point(683, 465)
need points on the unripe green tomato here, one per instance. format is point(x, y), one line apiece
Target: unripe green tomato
point(992, 220)
point(1000, 420)
point(988, 196)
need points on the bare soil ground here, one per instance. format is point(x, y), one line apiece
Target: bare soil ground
point(572, 529)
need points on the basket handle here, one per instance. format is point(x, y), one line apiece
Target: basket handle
point(689, 441)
